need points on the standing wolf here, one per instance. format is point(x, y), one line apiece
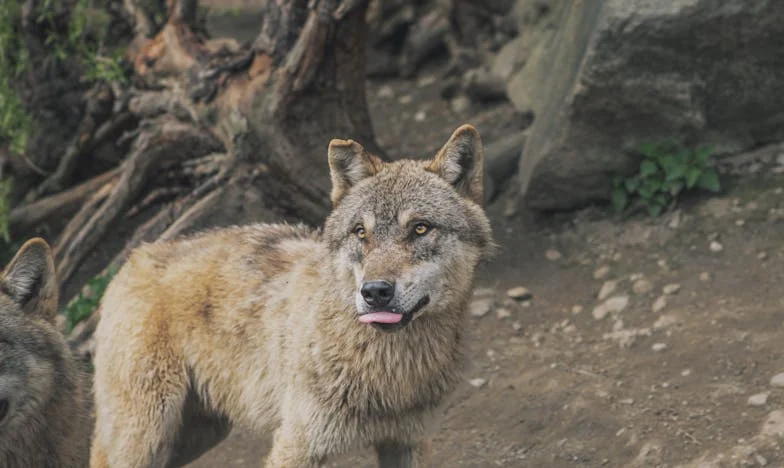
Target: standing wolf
point(347, 338)
point(43, 415)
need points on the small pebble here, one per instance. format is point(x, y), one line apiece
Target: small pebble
point(478, 383)
point(517, 326)
point(612, 305)
point(578, 309)
point(481, 307)
point(601, 272)
point(659, 304)
point(686, 372)
point(716, 247)
point(608, 288)
point(552, 255)
point(385, 92)
point(659, 347)
point(503, 313)
point(519, 293)
point(705, 276)
point(420, 116)
point(671, 289)
point(777, 380)
point(760, 399)
point(642, 286)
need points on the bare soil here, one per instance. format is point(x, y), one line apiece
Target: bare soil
point(636, 388)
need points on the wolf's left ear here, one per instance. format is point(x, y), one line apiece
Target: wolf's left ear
point(29, 279)
point(349, 163)
point(460, 161)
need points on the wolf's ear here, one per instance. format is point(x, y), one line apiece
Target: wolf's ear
point(29, 279)
point(349, 163)
point(460, 161)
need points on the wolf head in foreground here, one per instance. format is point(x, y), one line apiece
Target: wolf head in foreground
point(410, 232)
point(335, 340)
point(43, 420)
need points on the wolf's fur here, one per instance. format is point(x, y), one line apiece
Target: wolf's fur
point(258, 325)
point(42, 390)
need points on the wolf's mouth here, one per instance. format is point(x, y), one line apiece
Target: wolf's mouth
point(392, 321)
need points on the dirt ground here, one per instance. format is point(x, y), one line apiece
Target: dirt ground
point(682, 377)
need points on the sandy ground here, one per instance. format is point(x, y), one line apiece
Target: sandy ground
point(680, 372)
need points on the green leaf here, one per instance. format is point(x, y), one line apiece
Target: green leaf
point(703, 153)
point(692, 176)
point(620, 199)
point(648, 149)
point(632, 184)
point(648, 168)
point(675, 187)
point(709, 181)
point(676, 171)
point(654, 209)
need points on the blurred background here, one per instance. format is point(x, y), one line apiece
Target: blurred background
point(634, 177)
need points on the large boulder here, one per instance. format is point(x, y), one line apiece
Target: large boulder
point(613, 73)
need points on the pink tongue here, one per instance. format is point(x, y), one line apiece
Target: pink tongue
point(381, 317)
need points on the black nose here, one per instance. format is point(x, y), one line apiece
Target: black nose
point(378, 293)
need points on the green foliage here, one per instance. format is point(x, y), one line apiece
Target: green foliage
point(83, 40)
point(88, 300)
point(666, 171)
point(14, 122)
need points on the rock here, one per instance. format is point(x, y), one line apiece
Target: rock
point(601, 272)
point(715, 246)
point(385, 91)
point(519, 293)
point(503, 313)
point(420, 116)
point(484, 292)
point(502, 157)
point(760, 399)
point(705, 276)
point(671, 289)
point(552, 255)
point(517, 326)
point(762, 256)
point(659, 304)
point(608, 288)
point(478, 383)
point(460, 104)
point(481, 307)
point(595, 99)
point(613, 305)
point(665, 321)
point(777, 380)
point(658, 347)
point(642, 286)
point(578, 309)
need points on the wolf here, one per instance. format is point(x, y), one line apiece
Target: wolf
point(334, 339)
point(43, 392)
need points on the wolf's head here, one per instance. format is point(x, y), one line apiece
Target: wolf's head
point(409, 233)
point(30, 346)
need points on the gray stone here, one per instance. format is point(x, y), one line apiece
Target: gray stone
point(777, 380)
point(481, 307)
point(608, 288)
point(612, 305)
point(519, 293)
point(596, 99)
point(760, 399)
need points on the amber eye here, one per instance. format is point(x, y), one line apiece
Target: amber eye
point(360, 231)
point(421, 229)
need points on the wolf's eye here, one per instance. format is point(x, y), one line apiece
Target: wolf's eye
point(360, 231)
point(420, 229)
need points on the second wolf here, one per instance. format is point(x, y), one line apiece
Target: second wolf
point(336, 340)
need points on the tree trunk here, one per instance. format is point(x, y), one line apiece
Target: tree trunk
point(220, 120)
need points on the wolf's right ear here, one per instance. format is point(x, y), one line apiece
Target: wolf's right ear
point(349, 163)
point(29, 279)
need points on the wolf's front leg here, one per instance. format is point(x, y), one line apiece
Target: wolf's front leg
point(290, 449)
point(396, 455)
